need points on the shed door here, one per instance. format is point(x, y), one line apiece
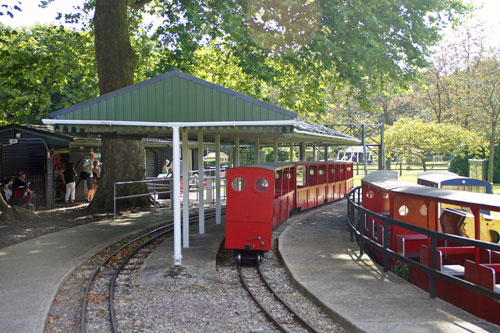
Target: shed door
point(151, 163)
point(30, 157)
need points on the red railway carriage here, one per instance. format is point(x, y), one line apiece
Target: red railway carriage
point(423, 207)
point(260, 197)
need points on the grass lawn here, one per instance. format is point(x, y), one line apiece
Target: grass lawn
point(409, 175)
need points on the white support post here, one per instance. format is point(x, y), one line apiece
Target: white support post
point(257, 151)
point(275, 151)
point(315, 153)
point(185, 188)
point(177, 194)
point(236, 151)
point(217, 180)
point(303, 151)
point(201, 180)
point(291, 151)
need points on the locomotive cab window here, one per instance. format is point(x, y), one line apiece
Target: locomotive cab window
point(238, 184)
point(261, 184)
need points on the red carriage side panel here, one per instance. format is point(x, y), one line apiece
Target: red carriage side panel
point(301, 191)
point(331, 181)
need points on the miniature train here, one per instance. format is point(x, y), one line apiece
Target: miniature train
point(455, 212)
point(260, 197)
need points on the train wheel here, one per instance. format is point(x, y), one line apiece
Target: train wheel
point(259, 258)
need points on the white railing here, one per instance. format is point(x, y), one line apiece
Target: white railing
point(164, 186)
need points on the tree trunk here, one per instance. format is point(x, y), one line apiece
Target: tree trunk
point(491, 160)
point(123, 159)
point(115, 58)
point(424, 166)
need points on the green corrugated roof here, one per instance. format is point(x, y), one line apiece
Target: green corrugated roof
point(174, 97)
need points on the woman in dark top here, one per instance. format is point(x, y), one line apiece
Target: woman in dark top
point(69, 180)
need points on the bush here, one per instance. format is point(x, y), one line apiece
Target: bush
point(401, 269)
point(459, 162)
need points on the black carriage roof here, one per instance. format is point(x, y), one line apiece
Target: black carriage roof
point(378, 176)
point(439, 178)
point(465, 198)
point(279, 165)
point(436, 172)
point(269, 166)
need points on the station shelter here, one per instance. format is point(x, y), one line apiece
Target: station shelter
point(183, 108)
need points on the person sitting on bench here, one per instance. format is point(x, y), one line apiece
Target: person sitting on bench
point(21, 193)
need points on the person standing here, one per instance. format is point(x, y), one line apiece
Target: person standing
point(69, 180)
point(164, 168)
point(88, 165)
point(96, 171)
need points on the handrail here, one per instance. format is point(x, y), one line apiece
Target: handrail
point(154, 193)
point(354, 206)
point(162, 181)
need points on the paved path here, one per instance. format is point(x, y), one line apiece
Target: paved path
point(315, 247)
point(31, 271)
point(317, 251)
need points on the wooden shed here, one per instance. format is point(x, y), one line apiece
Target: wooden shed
point(41, 153)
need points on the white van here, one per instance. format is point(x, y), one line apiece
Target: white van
point(355, 154)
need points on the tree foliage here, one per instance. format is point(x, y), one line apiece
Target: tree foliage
point(43, 69)
point(421, 139)
point(486, 88)
point(305, 50)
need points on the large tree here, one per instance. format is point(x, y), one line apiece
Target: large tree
point(315, 47)
point(301, 48)
point(123, 157)
point(486, 92)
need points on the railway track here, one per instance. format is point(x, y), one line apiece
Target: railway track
point(273, 306)
point(98, 300)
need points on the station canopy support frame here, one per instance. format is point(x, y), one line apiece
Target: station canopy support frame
point(371, 137)
point(185, 108)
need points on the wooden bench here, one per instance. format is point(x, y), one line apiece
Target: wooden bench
point(450, 260)
point(408, 245)
point(485, 275)
point(495, 257)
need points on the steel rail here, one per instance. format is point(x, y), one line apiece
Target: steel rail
point(101, 266)
point(275, 321)
point(165, 229)
point(114, 323)
point(252, 295)
point(304, 322)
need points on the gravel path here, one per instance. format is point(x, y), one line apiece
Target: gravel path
point(178, 304)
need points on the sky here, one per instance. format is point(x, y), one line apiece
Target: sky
point(32, 14)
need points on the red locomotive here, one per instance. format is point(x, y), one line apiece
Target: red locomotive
point(260, 197)
point(453, 212)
